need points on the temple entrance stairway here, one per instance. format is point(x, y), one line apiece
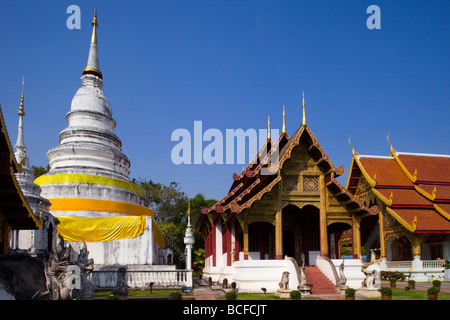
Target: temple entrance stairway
point(319, 283)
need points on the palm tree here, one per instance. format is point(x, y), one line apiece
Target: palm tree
point(197, 203)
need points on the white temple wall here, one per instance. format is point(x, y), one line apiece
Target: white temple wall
point(252, 275)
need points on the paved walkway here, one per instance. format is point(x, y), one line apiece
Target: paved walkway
point(445, 288)
point(204, 292)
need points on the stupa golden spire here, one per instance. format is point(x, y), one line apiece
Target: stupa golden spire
point(94, 29)
point(304, 114)
point(22, 108)
point(93, 66)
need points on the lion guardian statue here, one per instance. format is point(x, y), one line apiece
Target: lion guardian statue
point(284, 283)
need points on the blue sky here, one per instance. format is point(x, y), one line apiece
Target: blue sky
point(230, 64)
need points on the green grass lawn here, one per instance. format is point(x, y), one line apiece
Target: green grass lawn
point(397, 294)
point(139, 293)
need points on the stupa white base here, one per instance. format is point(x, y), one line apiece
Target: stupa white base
point(136, 251)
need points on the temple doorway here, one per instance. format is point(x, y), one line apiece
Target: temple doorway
point(401, 250)
point(261, 237)
point(301, 233)
point(335, 233)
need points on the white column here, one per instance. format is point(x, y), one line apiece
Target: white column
point(219, 239)
point(151, 241)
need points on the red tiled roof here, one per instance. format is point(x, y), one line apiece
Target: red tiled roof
point(405, 197)
point(385, 171)
point(430, 168)
point(251, 185)
point(415, 187)
point(426, 219)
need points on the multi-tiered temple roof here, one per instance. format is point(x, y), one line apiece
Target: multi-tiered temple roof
point(414, 187)
point(252, 183)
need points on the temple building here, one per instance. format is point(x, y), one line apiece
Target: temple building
point(411, 231)
point(15, 212)
point(16, 272)
point(280, 213)
point(42, 241)
point(88, 183)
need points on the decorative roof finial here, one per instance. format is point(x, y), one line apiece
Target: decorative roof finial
point(189, 208)
point(392, 149)
point(21, 108)
point(353, 150)
point(284, 120)
point(304, 114)
point(268, 127)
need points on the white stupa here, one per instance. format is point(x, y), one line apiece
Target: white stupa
point(42, 241)
point(88, 183)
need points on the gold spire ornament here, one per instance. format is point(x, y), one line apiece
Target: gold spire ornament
point(284, 120)
point(390, 144)
point(268, 128)
point(95, 25)
point(351, 146)
point(93, 66)
point(22, 108)
point(189, 209)
point(304, 113)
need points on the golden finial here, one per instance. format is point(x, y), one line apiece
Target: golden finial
point(95, 25)
point(353, 150)
point(392, 149)
point(189, 208)
point(22, 108)
point(391, 197)
point(284, 120)
point(268, 127)
point(304, 113)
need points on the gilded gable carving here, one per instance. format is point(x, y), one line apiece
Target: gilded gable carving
point(290, 184)
point(310, 183)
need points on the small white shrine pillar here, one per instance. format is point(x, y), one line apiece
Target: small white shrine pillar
point(189, 240)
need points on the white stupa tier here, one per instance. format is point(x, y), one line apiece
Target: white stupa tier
point(88, 182)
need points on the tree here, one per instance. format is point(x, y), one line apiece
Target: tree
point(170, 205)
point(39, 171)
point(197, 203)
point(167, 201)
